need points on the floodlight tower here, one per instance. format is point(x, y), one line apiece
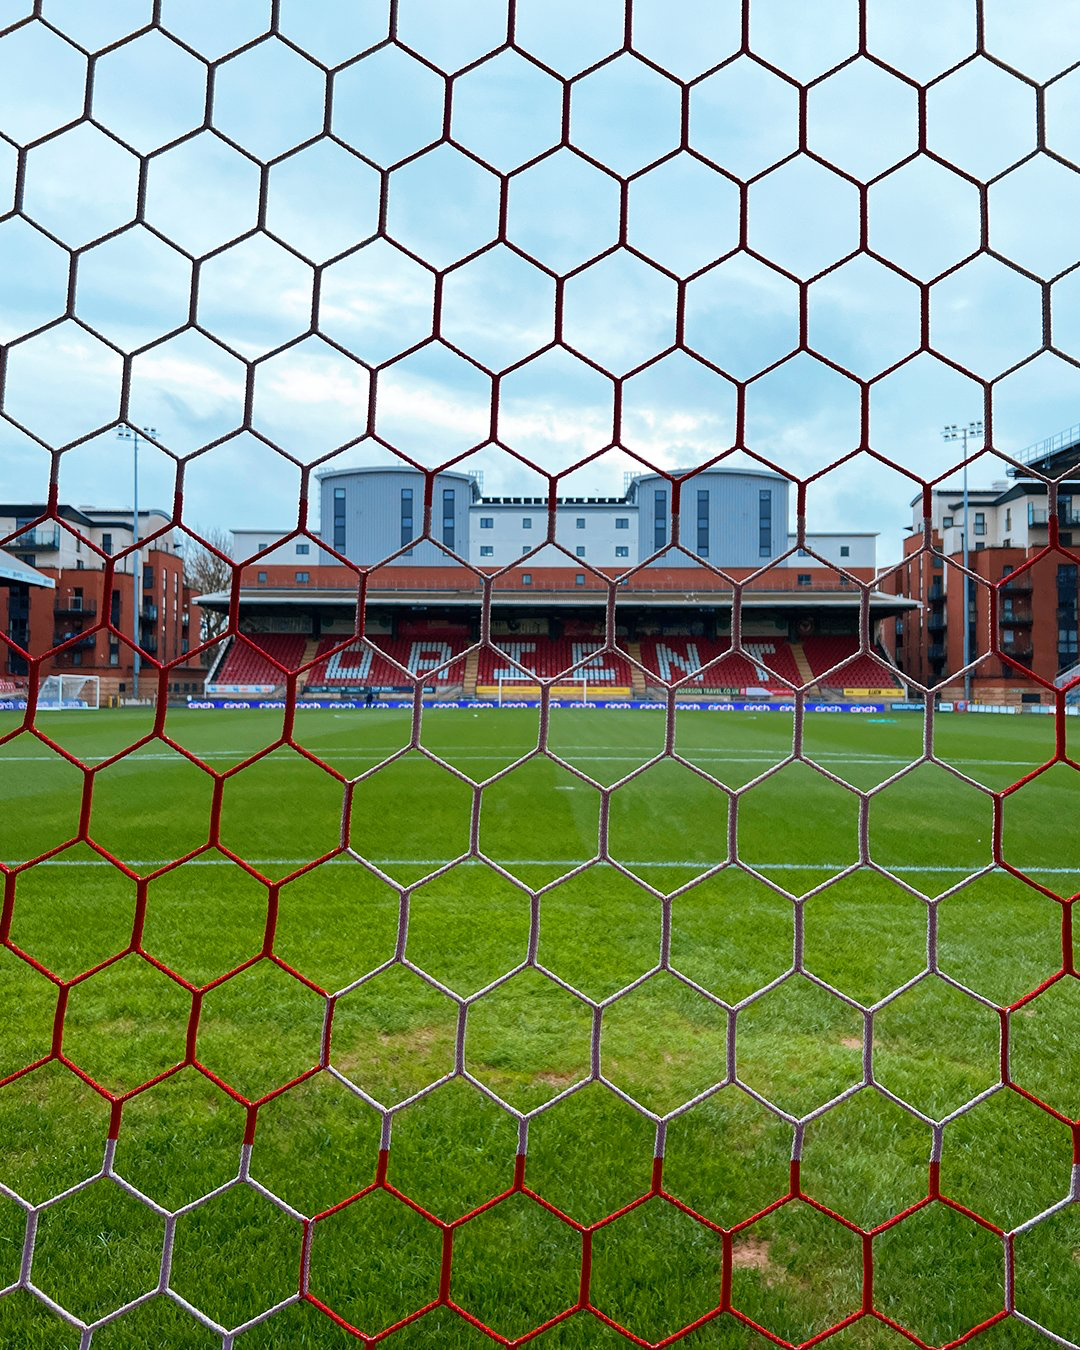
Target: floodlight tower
point(954, 432)
point(133, 434)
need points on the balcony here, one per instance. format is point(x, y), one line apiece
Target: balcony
point(85, 640)
point(936, 652)
point(937, 593)
point(75, 604)
point(1010, 619)
point(149, 613)
point(1020, 648)
point(41, 537)
point(148, 642)
point(1021, 586)
point(1067, 517)
point(936, 623)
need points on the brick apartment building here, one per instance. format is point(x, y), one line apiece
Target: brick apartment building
point(89, 608)
point(1028, 623)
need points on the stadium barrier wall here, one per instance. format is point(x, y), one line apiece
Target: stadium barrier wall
point(208, 704)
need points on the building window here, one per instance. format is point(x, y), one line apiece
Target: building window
point(302, 578)
point(946, 522)
point(1008, 517)
point(148, 577)
point(765, 523)
point(621, 551)
point(580, 523)
point(339, 519)
point(406, 517)
point(703, 523)
point(303, 548)
point(487, 551)
point(580, 550)
point(980, 522)
point(526, 522)
point(261, 578)
point(106, 544)
point(487, 522)
point(525, 548)
point(622, 522)
point(1068, 612)
point(659, 518)
point(448, 533)
point(803, 579)
point(526, 578)
point(263, 545)
point(579, 579)
point(845, 551)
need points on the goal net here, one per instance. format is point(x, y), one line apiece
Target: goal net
point(673, 955)
point(76, 692)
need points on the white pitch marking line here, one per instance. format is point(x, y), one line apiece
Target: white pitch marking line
point(580, 752)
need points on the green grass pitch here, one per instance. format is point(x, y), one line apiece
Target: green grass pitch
point(598, 929)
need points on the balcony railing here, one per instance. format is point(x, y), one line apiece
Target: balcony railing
point(1038, 516)
point(149, 613)
point(1009, 618)
point(1063, 440)
point(1021, 648)
point(148, 642)
point(936, 652)
point(85, 641)
point(75, 604)
point(936, 623)
point(1021, 586)
point(44, 537)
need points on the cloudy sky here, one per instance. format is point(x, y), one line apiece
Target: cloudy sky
point(383, 236)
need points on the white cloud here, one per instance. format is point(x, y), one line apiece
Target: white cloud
point(378, 303)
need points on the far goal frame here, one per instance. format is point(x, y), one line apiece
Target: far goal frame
point(70, 693)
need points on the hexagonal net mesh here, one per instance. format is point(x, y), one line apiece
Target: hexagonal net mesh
point(377, 1042)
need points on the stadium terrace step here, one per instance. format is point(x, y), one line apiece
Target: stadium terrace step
point(806, 672)
point(472, 664)
point(311, 648)
point(638, 686)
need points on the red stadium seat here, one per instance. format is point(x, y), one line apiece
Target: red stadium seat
point(365, 663)
point(673, 659)
point(248, 665)
point(823, 653)
point(547, 658)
